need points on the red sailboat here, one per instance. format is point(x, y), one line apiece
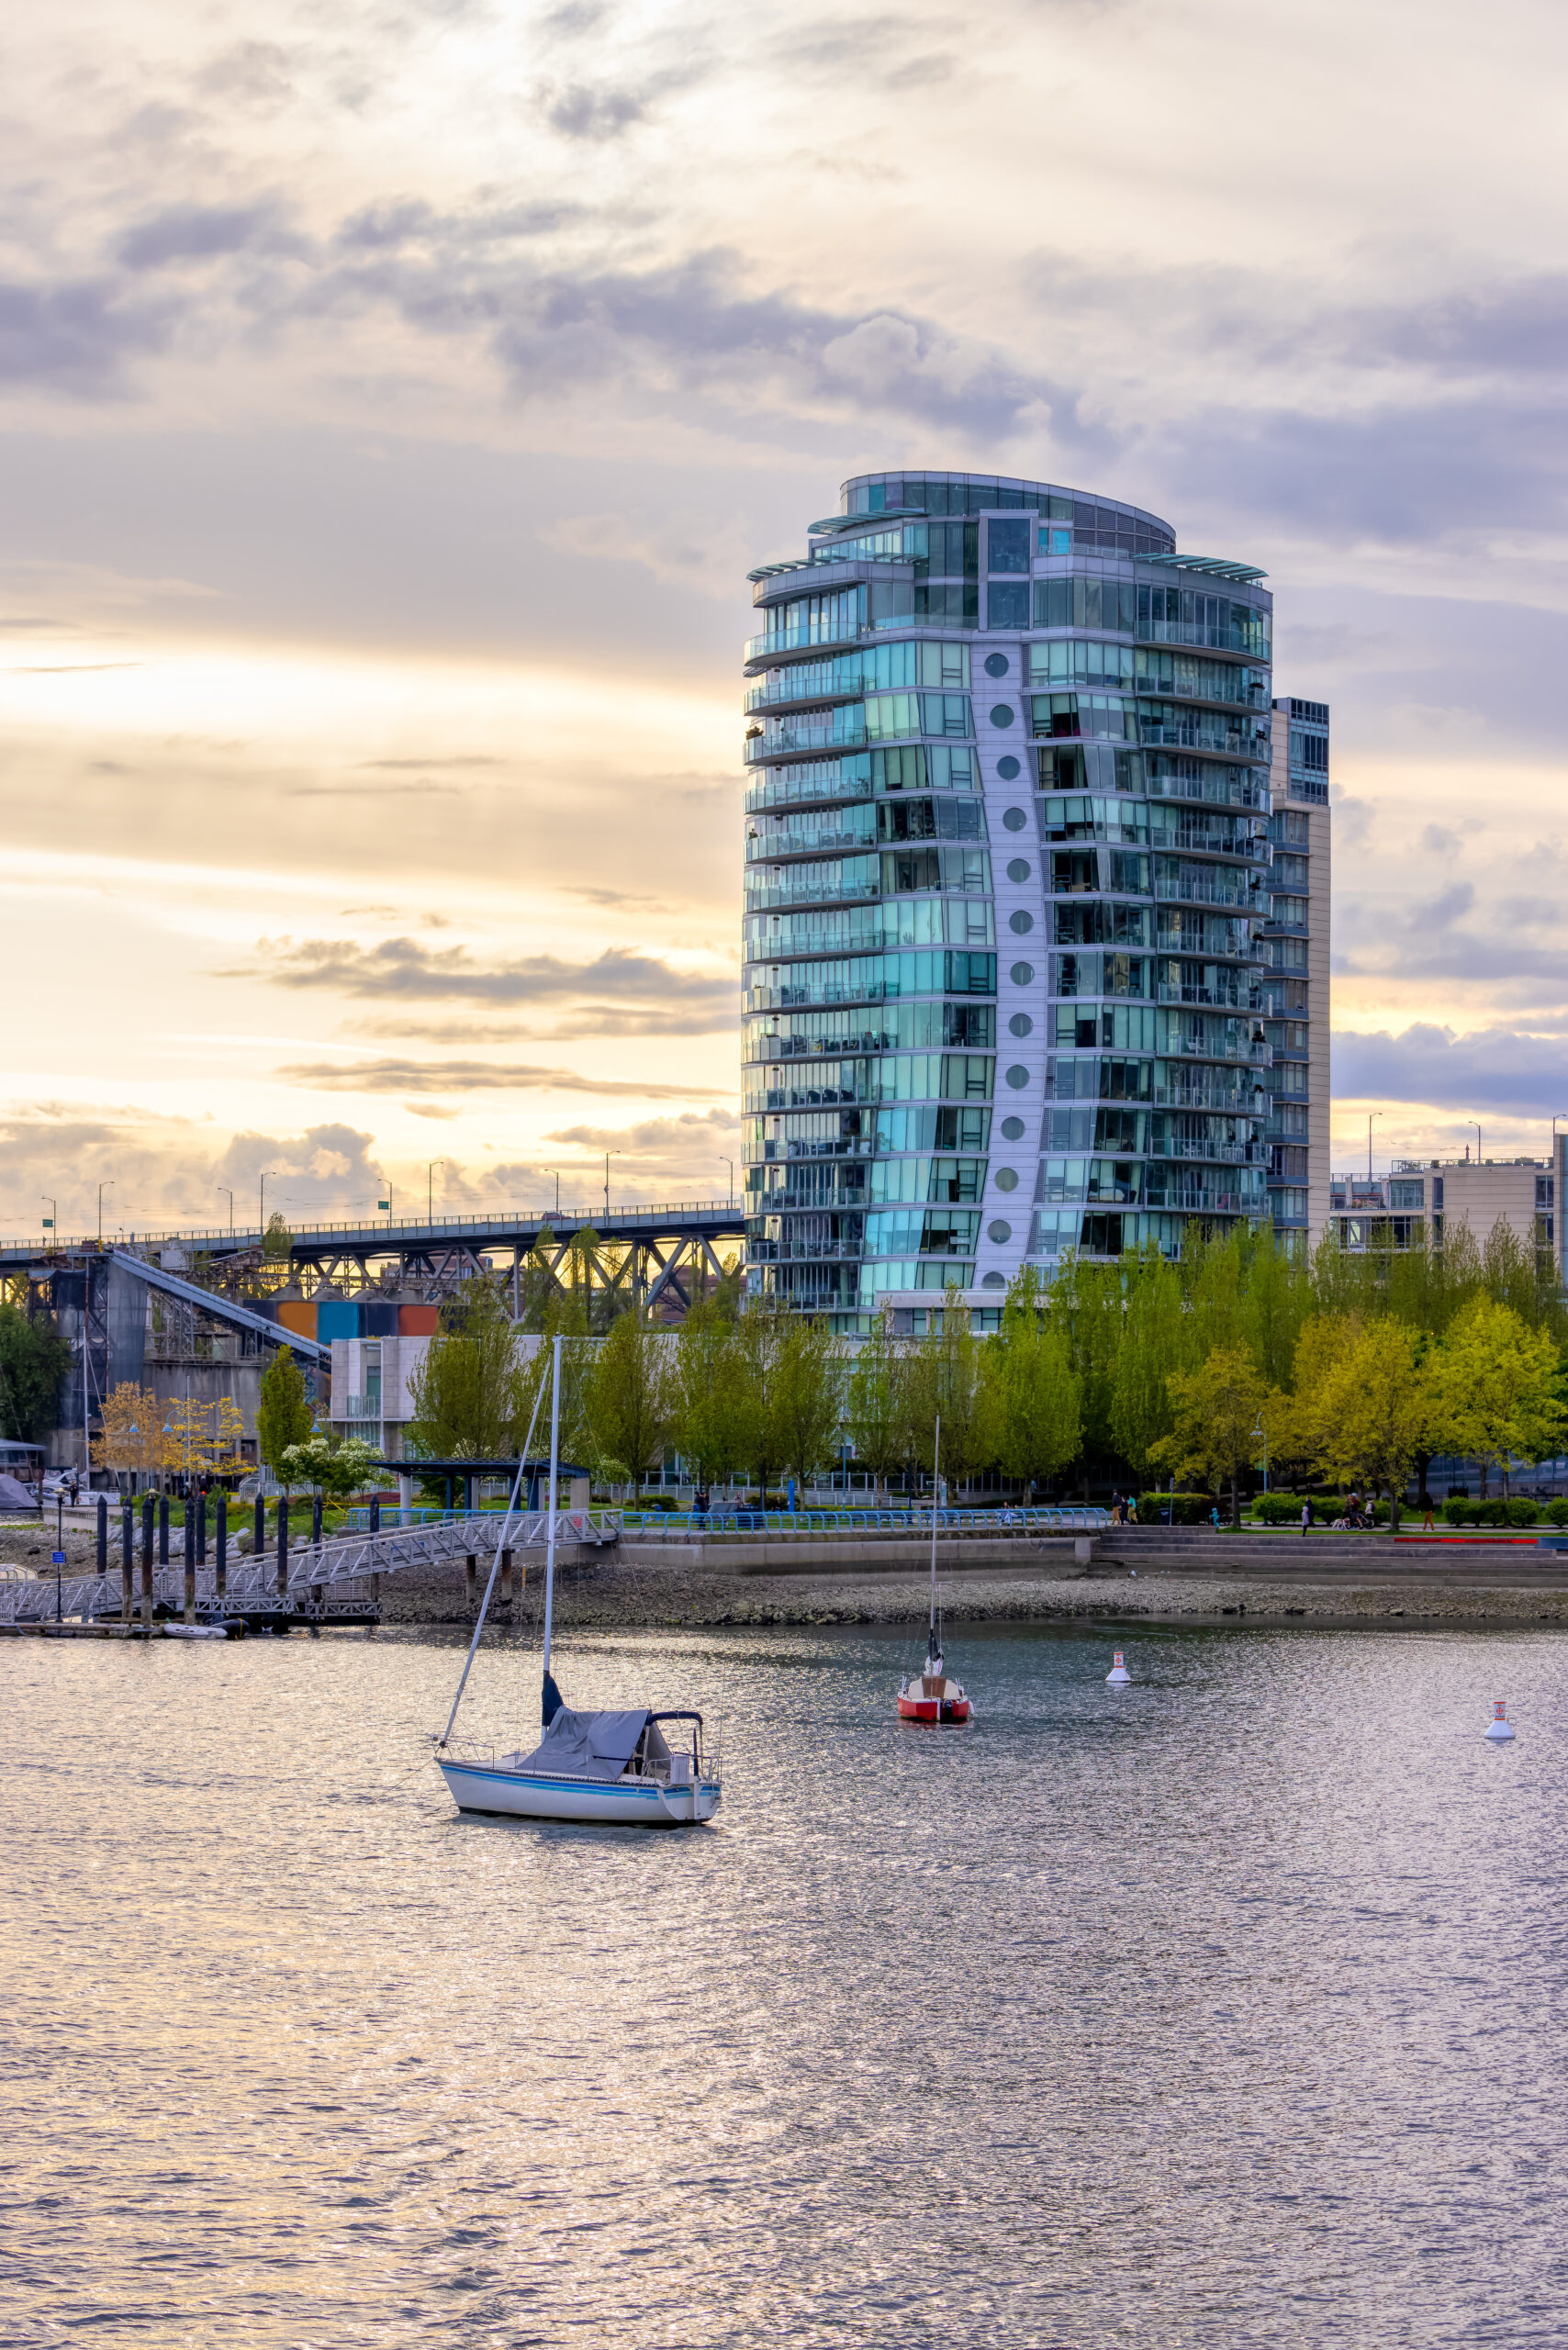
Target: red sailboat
point(931, 1695)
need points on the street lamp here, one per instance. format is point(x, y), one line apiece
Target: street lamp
point(430, 1190)
point(261, 1209)
point(1374, 1114)
point(229, 1194)
point(101, 1189)
point(1476, 1123)
point(1260, 1430)
point(731, 1165)
point(51, 1221)
point(608, 1156)
point(555, 1172)
point(384, 1207)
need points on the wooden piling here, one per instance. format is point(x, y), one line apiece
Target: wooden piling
point(221, 1546)
point(259, 1540)
point(163, 1529)
point(316, 1520)
point(190, 1559)
point(103, 1534)
point(471, 1580)
point(127, 1560)
point(506, 1579)
point(201, 1530)
point(283, 1550)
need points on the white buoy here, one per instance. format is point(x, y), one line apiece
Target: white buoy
point(1499, 1729)
point(1118, 1676)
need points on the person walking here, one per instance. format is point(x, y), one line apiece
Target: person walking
point(1426, 1525)
point(1306, 1517)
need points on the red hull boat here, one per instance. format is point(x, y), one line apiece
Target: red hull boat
point(930, 1696)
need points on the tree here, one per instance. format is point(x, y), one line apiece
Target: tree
point(755, 1358)
point(631, 1402)
point(1086, 1306)
point(707, 1426)
point(278, 1240)
point(1276, 1299)
point(199, 1438)
point(1494, 1388)
point(1373, 1409)
point(1156, 1335)
point(808, 1406)
point(284, 1415)
point(1298, 1431)
point(1038, 1422)
point(945, 1380)
point(469, 1390)
point(339, 1467)
point(132, 1435)
point(1215, 1413)
point(34, 1362)
point(875, 1402)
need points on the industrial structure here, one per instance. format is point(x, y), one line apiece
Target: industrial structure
point(1008, 947)
point(195, 1316)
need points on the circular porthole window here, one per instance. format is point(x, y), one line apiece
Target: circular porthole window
point(996, 665)
point(1002, 713)
point(1022, 975)
point(994, 1280)
point(1007, 1177)
point(1013, 1129)
point(1018, 869)
point(1021, 1024)
point(1017, 1076)
point(999, 1232)
point(1021, 922)
point(1013, 819)
point(1007, 769)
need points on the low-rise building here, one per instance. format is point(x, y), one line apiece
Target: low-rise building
point(1432, 1196)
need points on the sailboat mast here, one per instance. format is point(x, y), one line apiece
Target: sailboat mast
point(935, 1487)
point(550, 1523)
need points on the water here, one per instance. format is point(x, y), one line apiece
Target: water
point(1226, 2009)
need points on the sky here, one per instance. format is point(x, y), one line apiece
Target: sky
point(394, 397)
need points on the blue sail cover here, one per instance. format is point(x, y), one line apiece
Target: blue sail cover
point(587, 1746)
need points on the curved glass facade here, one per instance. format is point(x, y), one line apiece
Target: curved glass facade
point(1007, 873)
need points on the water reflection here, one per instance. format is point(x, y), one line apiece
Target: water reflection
point(1222, 2008)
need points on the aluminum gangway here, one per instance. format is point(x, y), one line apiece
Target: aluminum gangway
point(338, 1577)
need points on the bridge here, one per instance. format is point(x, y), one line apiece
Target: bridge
point(338, 1579)
point(640, 1256)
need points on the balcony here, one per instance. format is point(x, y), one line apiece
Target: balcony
point(1222, 1154)
point(830, 840)
point(782, 648)
point(1238, 998)
point(812, 789)
point(1199, 890)
point(848, 893)
point(1209, 1098)
point(842, 730)
point(812, 683)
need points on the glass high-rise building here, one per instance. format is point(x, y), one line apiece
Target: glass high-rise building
point(1006, 886)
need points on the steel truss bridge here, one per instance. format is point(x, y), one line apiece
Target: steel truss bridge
point(337, 1578)
point(652, 1258)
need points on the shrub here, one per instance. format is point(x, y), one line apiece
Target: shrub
point(1493, 1514)
point(1456, 1509)
point(1557, 1513)
point(1277, 1509)
point(1521, 1513)
point(1381, 1513)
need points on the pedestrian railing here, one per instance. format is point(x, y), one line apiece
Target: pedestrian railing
point(863, 1521)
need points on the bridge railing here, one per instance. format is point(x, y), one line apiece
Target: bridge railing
point(854, 1521)
point(603, 1221)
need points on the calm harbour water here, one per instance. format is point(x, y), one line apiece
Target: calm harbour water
point(1226, 2009)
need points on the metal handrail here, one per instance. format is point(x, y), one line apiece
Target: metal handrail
point(598, 1218)
point(1065, 1519)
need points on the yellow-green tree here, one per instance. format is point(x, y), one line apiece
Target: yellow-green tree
point(1494, 1388)
point(947, 1379)
point(1156, 1338)
point(1373, 1408)
point(284, 1416)
point(1038, 1427)
point(1297, 1429)
point(469, 1392)
point(1215, 1413)
point(630, 1402)
point(808, 1396)
point(707, 1423)
point(877, 1402)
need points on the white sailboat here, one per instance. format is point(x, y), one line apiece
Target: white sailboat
point(595, 1766)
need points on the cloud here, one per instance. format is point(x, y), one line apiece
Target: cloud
point(199, 232)
point(403, 968)
point(1443, 911)
point(1508, 1070)
point(398, 1076)
point(75, 337)
point(657, 1135)
point(578, 112)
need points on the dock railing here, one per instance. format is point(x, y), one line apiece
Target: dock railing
point(863, 1521)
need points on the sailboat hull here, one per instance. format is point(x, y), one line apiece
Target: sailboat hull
point(525, 1794)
